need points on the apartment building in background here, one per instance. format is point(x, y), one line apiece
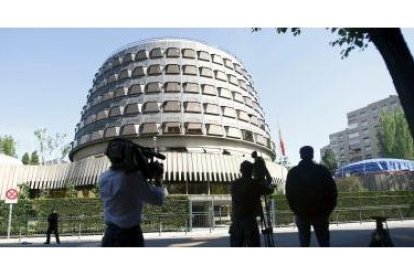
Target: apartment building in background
point(359, 140)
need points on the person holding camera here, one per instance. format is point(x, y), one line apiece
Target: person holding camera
point(124, 190)
point(312, 194)
point(246, 207)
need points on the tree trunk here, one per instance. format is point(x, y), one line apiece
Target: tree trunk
point(393, 49)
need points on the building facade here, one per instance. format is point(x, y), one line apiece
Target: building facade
point(359, 140)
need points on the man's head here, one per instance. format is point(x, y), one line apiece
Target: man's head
point(306, 153)
point(246, 168)
point(254, 154)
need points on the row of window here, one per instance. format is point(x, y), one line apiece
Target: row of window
point(176, 69)
point(173, 52)
point(174, 87)
point(175, 128)
point(174, 106)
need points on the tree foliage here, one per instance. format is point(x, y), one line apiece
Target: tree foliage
point(8, 145)
point(394, 50)
point(329, 160)
point(26, 159)
point(394, 136)
point(52, 147)
point(34, 158)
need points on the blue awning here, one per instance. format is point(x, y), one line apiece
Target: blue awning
point(376, 166)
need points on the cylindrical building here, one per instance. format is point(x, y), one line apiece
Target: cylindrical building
point(191, 96)
point(194, 102)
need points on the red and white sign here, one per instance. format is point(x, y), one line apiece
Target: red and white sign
point(12, 195)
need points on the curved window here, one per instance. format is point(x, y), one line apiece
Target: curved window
point(124, 74)
point(233, 79)
point(139, 71)
point(141, 55)
point(234, 132)
point(172, 87)
point(189, 53)
point(204, 56)
point(151, 107)
point(130, 129)
point(209, 90)
point(112, 78)
point(215, 130)
point(224, 92)
point(192, 107)
point(120, 91)
point(238, 97)
point(154, 69)
point(129, 57)
point(108, 95)
point(153, 87)
point(248, 101)
point(228, 63)
point(253, 120)
point(238, 69)
point(194, 128)
point(206, 72)
point(172, 106)
point(149, 128)
point(132, 108)
point(191, 88)
point(136, 89)
point(172, 128)
point(212, 109)
point(103, 114)
point(242, 84)
point(116, 111)
point(220, 75)
point(189, 70)
point(261, 140)
point(117, 61)
point(229, 112)
point(156, 53)
point(217, 59)
point(247, 135)
point(172, 69)
point(243, 116)
point(90, 119)
point(111, 132)
point(173, 53)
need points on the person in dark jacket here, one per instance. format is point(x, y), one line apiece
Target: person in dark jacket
point(52, 220)
point(311, 193)
point(246, 207)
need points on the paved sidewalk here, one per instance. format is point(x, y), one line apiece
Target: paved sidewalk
point(342, 235)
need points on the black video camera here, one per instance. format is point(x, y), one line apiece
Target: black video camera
point(125, 154)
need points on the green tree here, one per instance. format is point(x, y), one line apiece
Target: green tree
point(26, 159)
point(350, 184)
point(34, 158)
point(394, 136)
point(329, 160)
point(394, 51)
point(8, 145)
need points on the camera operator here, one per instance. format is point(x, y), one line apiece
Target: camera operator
point(124, 190)
point(246, 207)
point(260, 172)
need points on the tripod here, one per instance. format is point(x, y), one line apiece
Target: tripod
point(266, 223)
point(381, 236)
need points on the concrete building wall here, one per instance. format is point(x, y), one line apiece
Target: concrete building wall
point(359, 140)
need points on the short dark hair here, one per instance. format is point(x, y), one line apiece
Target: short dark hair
point(246, 167)
point(254, 154)
point(306, 153)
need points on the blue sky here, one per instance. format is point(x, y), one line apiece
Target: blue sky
point(302, 82)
